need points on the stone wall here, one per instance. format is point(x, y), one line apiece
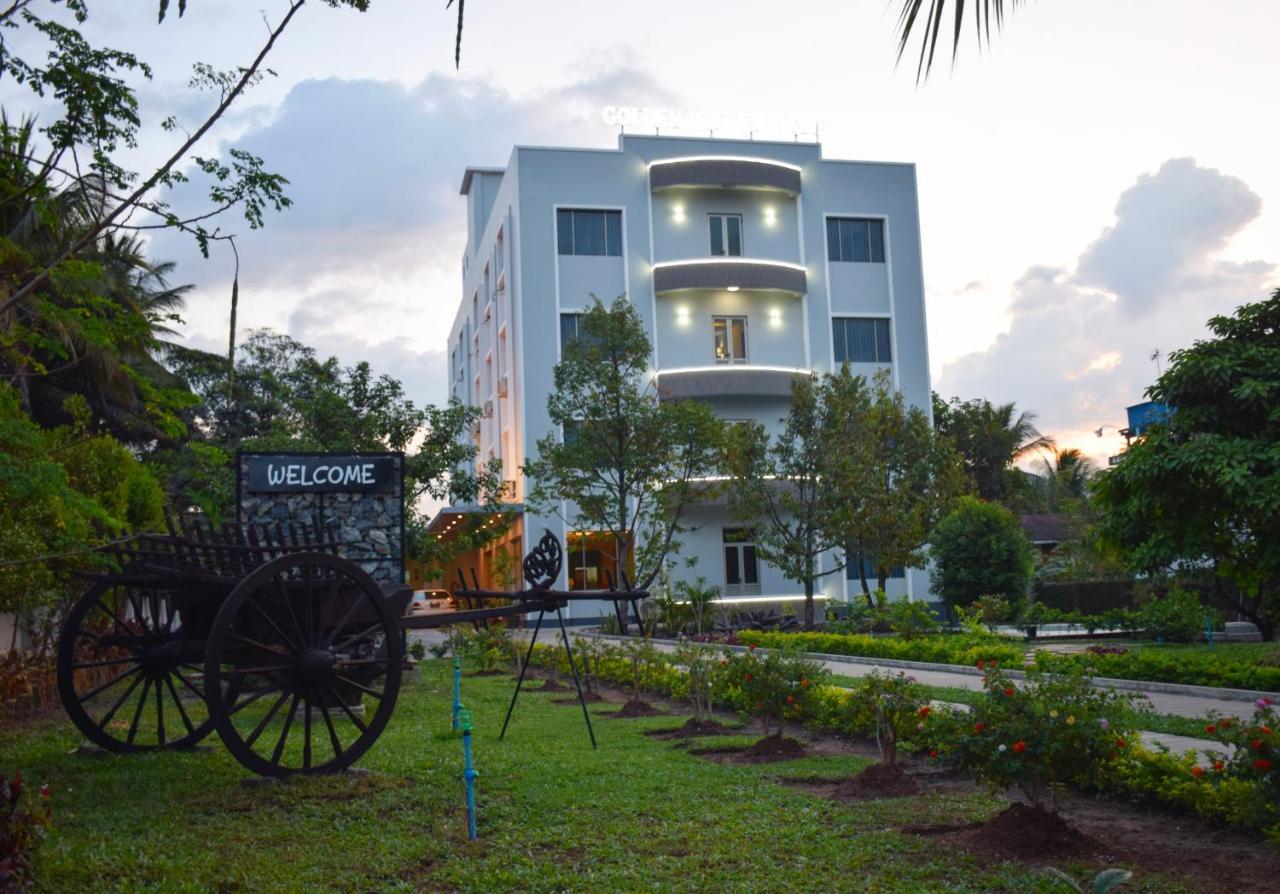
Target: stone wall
point(367, 526)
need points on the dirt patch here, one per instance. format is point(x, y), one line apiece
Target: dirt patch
point(549, 686)
point(487, 673)
point(637, 707)
point(591, 698)
point(1027, 833)
point(876, 781)
point(692, 729)
point(768, 750)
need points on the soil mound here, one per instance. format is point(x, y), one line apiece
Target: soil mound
point(876, 781)
point(550, 686)
point(771, 748)
point(692, 728)
point(488, 673)
point(637, 707)
point(1026, 833)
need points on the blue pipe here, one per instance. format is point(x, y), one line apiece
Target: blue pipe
point(457, 689)
point(469, 774)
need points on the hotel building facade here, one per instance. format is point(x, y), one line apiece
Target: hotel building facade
point(750, 263)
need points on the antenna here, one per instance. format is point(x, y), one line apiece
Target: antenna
point(1156, 355)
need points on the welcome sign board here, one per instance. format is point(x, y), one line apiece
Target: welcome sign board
point(329, 473)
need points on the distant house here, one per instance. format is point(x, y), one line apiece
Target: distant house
point(1045, 530)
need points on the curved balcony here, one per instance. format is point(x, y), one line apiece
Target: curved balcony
point(724, 172)
point(726, 380)
point(730, 274)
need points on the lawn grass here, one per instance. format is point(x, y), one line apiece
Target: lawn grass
point(637, 815)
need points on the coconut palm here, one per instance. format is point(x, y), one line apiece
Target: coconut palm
point(1020, 428)
point(931, 15)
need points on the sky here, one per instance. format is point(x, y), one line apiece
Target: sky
point(1093, 186)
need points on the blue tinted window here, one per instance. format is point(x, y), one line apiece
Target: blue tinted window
point(588, 232)
point(855, 239)
point(861, 340)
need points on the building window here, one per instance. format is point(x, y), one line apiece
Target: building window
point(589, 232)
point(741, 571)
point(568, 329)
point(855, 239)
point(861, 340)
point(726, 234)
point(730, 339)
point(590, 562)
point(869, 570)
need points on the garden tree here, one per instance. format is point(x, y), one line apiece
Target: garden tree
point(96, 329)
point(991, 438)
point(896, 477)
point(286, 397)
point(97, 119)
point(1204, 488)
point(629, 462)
point(979, 549)
point(62, 491)
point(783, 487)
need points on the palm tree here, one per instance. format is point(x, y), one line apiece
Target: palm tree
point(1066, 477)
point(1024, 438)
point(93, 329)
point(983, 13)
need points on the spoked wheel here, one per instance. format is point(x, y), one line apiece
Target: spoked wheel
point(316, 651)
point(127, 674)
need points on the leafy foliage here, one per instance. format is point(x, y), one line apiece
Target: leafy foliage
point(628, 460)
point(990, 438)
point(22, 828)
point(774, 686)
point(980, 550)
point(1052, 731)
point(888, 706)
point(939, 649)
point(1204, 489)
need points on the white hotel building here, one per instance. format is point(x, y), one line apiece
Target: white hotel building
point(750, 262)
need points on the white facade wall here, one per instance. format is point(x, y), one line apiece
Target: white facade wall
point(504, 341)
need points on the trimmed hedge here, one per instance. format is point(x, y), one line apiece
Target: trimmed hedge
point(942, 649)
point(1194, 667)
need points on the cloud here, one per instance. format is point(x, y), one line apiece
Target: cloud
point(365, 264)
point(1079, 346)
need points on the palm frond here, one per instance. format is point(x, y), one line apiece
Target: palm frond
point(929, 19)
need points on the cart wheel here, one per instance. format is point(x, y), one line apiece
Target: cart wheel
point(318, 653)
point(127, 674)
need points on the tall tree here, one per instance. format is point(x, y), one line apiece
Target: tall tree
point(784, 487)
point(898, 477)
point(625, 461)
point(1203, 489)
point(990, 439)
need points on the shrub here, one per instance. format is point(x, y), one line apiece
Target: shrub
point(890, 707)
point(1172, 664)
point(941, 649)
point(1053, 731)
point(1255, 759)
point(775, 686)
point(910, 619)
point(1177, 616)
point(700, 600)
point(699, 665)
point(22, 828)
point(980, 549)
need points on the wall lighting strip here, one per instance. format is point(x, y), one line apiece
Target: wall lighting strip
point(734, 260)
point(748, 158)
point(733, 367)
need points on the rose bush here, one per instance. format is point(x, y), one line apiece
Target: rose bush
point(774, 686)
point(1052, 731)
point(894, 708)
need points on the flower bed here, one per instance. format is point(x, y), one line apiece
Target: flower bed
point(960, 649)
point(1172, 664)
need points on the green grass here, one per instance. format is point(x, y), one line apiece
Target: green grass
point(638, 815)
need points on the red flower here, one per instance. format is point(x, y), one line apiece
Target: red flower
point(1266, 730)
point(747, 678)
point(1197, 772)
point(1211, 729)
point(1008, 692)
point(933, 755)
point(1019, 747)
point(791, 699)
point(925, 711)
point(979, 727)
point(1119, 742)
point(1262, 765)
point(1256, 744)
point(804, 684)
point(751, 648)
point(982, 665)
point(1217, 766)
point(1225, 722)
